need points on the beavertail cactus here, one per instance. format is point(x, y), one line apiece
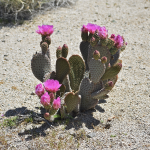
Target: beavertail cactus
point(77, 84)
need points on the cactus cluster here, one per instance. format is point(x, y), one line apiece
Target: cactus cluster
point(78, 83)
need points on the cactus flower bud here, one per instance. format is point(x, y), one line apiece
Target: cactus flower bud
point(52, 96)
point(93, 41)
point(56, 103)
point(104, 59)
point(45, 99)
point(47, 116)
point(39, 90)
point(109, 85)
point(59, 52)
point(96, 55)
point(84, 33)
point(119, 65)
point(110, 43)
point(47, 40)
point(44, 47)
point(64, 51)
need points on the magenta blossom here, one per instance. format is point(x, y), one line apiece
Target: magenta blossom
point(39, 90)
point(118, 41)
point(57, 103)
point(102, 32)
point(52, 85)
point(92, 27)
point(84, 28)
point(45, 99)
point(45, 30)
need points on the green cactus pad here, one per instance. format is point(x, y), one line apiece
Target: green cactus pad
point(61, 91)
point(97, 69)
point(114, 79)
point(59, 52)
point(49, 75)
point(62, 69)
point(66, 82)
point(48, 54)
point(44, 47)
point(104, 51)
point(64, 51)
point(77, 69)
point(112, 71)
point(63, 111)
point(86, 88)
point(40, 65)
point(77, 109)
point(114, 58)
point(100, 94)
point(71, 100)
point(84, 51)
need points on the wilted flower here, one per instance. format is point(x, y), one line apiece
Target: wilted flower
point(56, 103)
point(45, 30)
point(39, 90)
point(52, 85)
point(45, 99)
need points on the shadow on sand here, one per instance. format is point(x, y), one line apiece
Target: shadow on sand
point(72, 122)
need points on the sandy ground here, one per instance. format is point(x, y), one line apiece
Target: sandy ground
point(129, 101)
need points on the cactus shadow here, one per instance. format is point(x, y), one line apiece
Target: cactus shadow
point(76, 122)
point(37, 119)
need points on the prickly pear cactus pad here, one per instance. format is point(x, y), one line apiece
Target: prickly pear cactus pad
point(77, 84)
point(77, 69)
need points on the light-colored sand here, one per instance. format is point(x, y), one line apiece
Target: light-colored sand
point(129, 101)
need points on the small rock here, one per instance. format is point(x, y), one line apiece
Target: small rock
point(71, 132)
point(3, 40)
point(61, 137)
point(19, 40)
point(110, 119)
point(91, 135)
point(107, 126)
point(32, 93)
point(29, 127)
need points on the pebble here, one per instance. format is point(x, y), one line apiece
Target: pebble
point(91, 135)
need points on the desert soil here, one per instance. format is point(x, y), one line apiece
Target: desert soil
point(120, 122)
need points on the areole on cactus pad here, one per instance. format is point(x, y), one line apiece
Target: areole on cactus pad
point(77, 83)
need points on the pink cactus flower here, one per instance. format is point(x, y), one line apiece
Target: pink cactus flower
point(39, 90)
point(92, 27)
point(52, 85)
point(102, 32)
point(45, 99)
point(57, 103)
point(45, 30)
point(84, 28)
point(126, 43)
point(118, 41)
